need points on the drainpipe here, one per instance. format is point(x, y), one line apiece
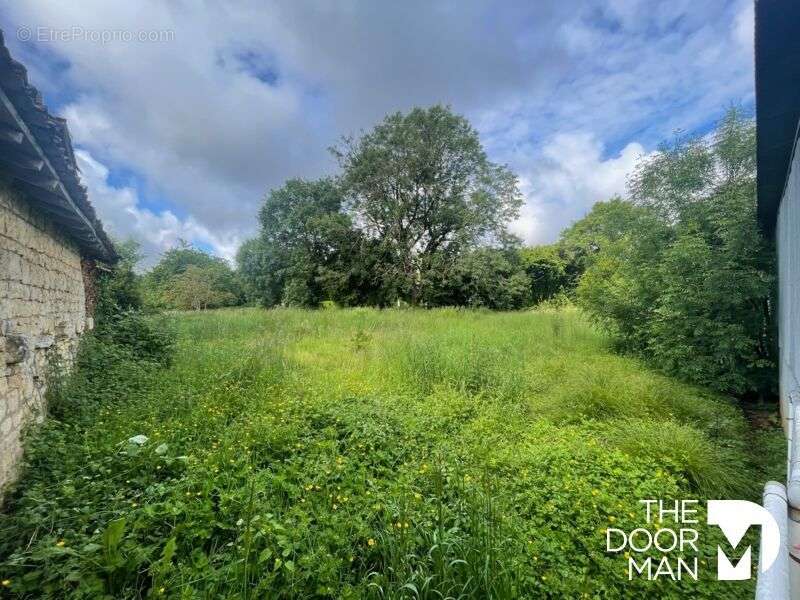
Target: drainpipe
point(773, 584)
point(793, 487)
point(793, 495)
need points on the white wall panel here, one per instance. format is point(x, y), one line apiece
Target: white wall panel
point(788, 234)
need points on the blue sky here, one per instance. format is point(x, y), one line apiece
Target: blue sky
point(180, 137)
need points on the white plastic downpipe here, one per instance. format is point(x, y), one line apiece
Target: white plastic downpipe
point(793, 487)
point(793, 494)
point(773, 584)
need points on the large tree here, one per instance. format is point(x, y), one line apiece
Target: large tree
point(420, 183)
point(308, 249)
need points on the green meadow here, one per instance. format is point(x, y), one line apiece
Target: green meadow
point(369, 453)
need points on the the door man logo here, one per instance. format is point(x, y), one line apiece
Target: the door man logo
point(672, 549)
point(735, 517)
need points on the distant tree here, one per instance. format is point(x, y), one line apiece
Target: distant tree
point(307, 251)
point(198, 288)
point(254, 270)
point(177, 259)
point(165, 283)
point(548, 271)
point(481, 278)
point(491, 278)
point(421, 184)
point(689, 286)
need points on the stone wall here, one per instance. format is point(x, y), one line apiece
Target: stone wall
point(42, 314)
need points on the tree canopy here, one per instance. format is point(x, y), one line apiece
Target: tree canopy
point(414, 195)
point(421, 184)
point(687, 280)
point(188, 278)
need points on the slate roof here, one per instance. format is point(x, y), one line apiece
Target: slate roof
point(36, 152)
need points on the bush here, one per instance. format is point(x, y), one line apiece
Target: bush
point(687, 282)
point(104, 372)
point(111, 358)
point(143, 337)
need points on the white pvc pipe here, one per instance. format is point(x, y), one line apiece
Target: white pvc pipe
point(793, 487)
point(773, 584)
point(793, 495)
point(794, 553)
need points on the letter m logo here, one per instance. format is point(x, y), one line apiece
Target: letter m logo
point(735, 517)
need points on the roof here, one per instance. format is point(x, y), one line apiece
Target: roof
point(777, 100)
point(36, 152)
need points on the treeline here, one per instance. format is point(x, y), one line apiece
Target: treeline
point(185, 278)
point(678, 270)
point(418, 215)
point(509, 278)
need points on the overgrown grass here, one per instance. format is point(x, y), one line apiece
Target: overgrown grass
point(368, 454)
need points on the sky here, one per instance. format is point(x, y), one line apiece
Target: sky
point(185, 114)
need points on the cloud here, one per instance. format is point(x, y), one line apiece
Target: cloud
point(567, 180)
point(124, 217)
point(744, 27)
point(246, 95)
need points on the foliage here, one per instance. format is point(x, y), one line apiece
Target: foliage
point(308, 250)
point(186, 278)
point(549, 271)
point(421, 184)
point(124, 342)
point(366, 454)
point(177, 259)
point(607, 224)
point(146, 338)
point(253, 269)
point(416, 195)
point(110, 363)
point(199, 288)
point(482, 278)
point(687, 278)
point(119, 288)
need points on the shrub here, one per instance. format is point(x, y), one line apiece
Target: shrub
point(688, 281)
point(143, 337)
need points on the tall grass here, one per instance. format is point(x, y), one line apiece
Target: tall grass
point(366, 454)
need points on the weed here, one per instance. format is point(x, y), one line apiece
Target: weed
point(362, 454)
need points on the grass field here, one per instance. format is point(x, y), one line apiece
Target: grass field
point(363, 453)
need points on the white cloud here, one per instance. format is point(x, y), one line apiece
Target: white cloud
point(247, 95)
point(569, 177)
point(744, 27)
point(125, 218)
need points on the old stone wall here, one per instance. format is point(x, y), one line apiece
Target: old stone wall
point(42, 314)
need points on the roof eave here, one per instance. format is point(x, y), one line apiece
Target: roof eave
point(36, 153)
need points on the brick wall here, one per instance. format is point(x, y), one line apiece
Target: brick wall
point(42, 314)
